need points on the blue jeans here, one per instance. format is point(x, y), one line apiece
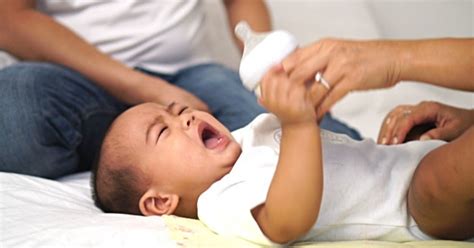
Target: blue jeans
point(53, 119)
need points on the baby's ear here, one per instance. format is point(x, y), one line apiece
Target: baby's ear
point(158, 203)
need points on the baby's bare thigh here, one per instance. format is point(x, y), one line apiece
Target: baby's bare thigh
point(441, 194)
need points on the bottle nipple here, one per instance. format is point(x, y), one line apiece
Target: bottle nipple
point(250, 38)
point(261, 52)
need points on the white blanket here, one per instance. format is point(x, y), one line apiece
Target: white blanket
point(37, 212)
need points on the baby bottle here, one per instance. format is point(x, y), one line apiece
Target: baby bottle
point(261, 52)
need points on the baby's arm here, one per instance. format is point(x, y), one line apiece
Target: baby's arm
point(294, 198)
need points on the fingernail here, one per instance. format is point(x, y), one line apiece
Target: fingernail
point(387, 121)
point(278, 67)
point(425, 137)
point(395, 140)
point(384, 141)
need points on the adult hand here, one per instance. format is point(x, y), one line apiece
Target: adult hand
point(153, 89)
point(346, 66)
point(447, 122)
point(170, 93)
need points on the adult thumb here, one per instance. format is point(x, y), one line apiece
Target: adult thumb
point(436, 133)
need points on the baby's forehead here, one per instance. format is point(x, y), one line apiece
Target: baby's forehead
point(144, 110)
point(147, 107)
point(139, 116)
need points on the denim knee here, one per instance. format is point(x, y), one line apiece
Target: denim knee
point(46, 109)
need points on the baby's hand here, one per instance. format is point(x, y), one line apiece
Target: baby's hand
point(291, 102)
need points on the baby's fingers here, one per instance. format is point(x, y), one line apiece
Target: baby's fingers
point(303, 64)
point(271, 86)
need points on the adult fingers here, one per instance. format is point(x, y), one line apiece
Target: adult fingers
point(390, 122)
point(192, 101)
point(307, 67)
point(294, 59)
point(407, 119)
point(436, 133)
point(337, 91)
point(317, 92)
point(446, 131)
point(404, 120)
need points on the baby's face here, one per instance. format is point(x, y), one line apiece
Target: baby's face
point(179, 146)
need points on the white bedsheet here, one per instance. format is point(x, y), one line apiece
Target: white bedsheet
point(37, 212)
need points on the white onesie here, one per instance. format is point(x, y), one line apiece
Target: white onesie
point(365, 187)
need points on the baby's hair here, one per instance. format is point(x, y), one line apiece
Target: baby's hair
point(117, 184)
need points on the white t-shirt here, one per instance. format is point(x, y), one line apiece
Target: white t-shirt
point(160, 35)
point(365, 187)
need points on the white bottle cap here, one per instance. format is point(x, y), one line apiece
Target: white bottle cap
point(261, 52)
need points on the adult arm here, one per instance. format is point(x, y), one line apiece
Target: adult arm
point(31, 35)
point(361, 65)
point(294, 197)
point(254, 12)
point(443, 62)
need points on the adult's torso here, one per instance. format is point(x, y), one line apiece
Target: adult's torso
point(160, 35)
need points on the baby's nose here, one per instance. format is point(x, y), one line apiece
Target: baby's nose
point(190, 120)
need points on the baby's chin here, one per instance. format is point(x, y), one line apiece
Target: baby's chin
point(235, 150)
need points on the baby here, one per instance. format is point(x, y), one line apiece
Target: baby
point(278, 180)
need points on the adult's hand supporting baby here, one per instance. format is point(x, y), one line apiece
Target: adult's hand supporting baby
point(447, 122)
point(159, 91)
point(346, 65)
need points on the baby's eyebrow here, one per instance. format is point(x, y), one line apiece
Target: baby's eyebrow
point(170, 107)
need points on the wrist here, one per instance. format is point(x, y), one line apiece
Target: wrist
point(301, 126)
point(402, 53)
point(414, 60)
point(145, 88)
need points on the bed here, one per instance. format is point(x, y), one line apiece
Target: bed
point(36, 212)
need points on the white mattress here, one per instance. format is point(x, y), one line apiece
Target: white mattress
point(37, 212)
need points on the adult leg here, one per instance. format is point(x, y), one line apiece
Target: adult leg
point(441, 195)
point(52, 121)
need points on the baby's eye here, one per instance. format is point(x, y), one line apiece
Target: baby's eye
point(163, 129)
point(182, 109)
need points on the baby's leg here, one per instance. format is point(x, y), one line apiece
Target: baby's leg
point(441, 194)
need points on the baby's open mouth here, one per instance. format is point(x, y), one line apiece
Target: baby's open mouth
point(210, 137)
